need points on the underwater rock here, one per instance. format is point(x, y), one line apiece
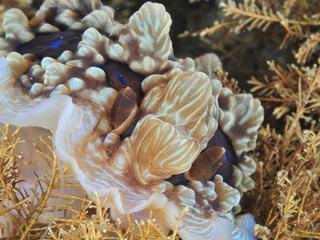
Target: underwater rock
point(134, 124)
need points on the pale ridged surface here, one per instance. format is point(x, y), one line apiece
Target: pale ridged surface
point(206, 195)
point(95, 74)
point(208, 63)
point(36, 71)
point(184, 195)
point(75, 84)
point(48, 28)
point(79, 63)
point(82, 5)
point(71, 12)
point(7, 78)
point(99, 20)
point(243, 227)
point(16, 26)
point(240, 118)
point(56, 73)
point(65, 56)
point(195, 224)
point(186, 64)
point(158, 80)
point(216, 89)
point(184, 102)
point(67, 17)
point(90, 98)
point(228, 197)
point(7, 99)
point(92, 47)
point(46, 61)
point(37, 88)
point(150, 27)
point(116, 51)
point(61, 89)
point(241, 181)
point(108, 95)
point(241, 174)
point(5, 47)
point(156, 150)
point(203, 228)
point(17, 64)
point(247, 165)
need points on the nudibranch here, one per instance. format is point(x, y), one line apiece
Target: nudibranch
point(136, 125)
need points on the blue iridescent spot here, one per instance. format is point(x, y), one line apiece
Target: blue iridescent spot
point(55, 44)
point(225, 157)
point(120, 77)
point(178, 179)
point(131, 129)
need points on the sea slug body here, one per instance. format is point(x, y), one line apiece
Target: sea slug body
point(136, 125)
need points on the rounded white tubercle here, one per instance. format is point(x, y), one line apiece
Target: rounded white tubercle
point(25, 81)
point(36, 71)
point(65, 56)
point(77, 63)
point(46, 61)
point(61, 89)
point(37, 88)
point(108, 95)
point(96, 74)
point(75, 84)
point(48, 28)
